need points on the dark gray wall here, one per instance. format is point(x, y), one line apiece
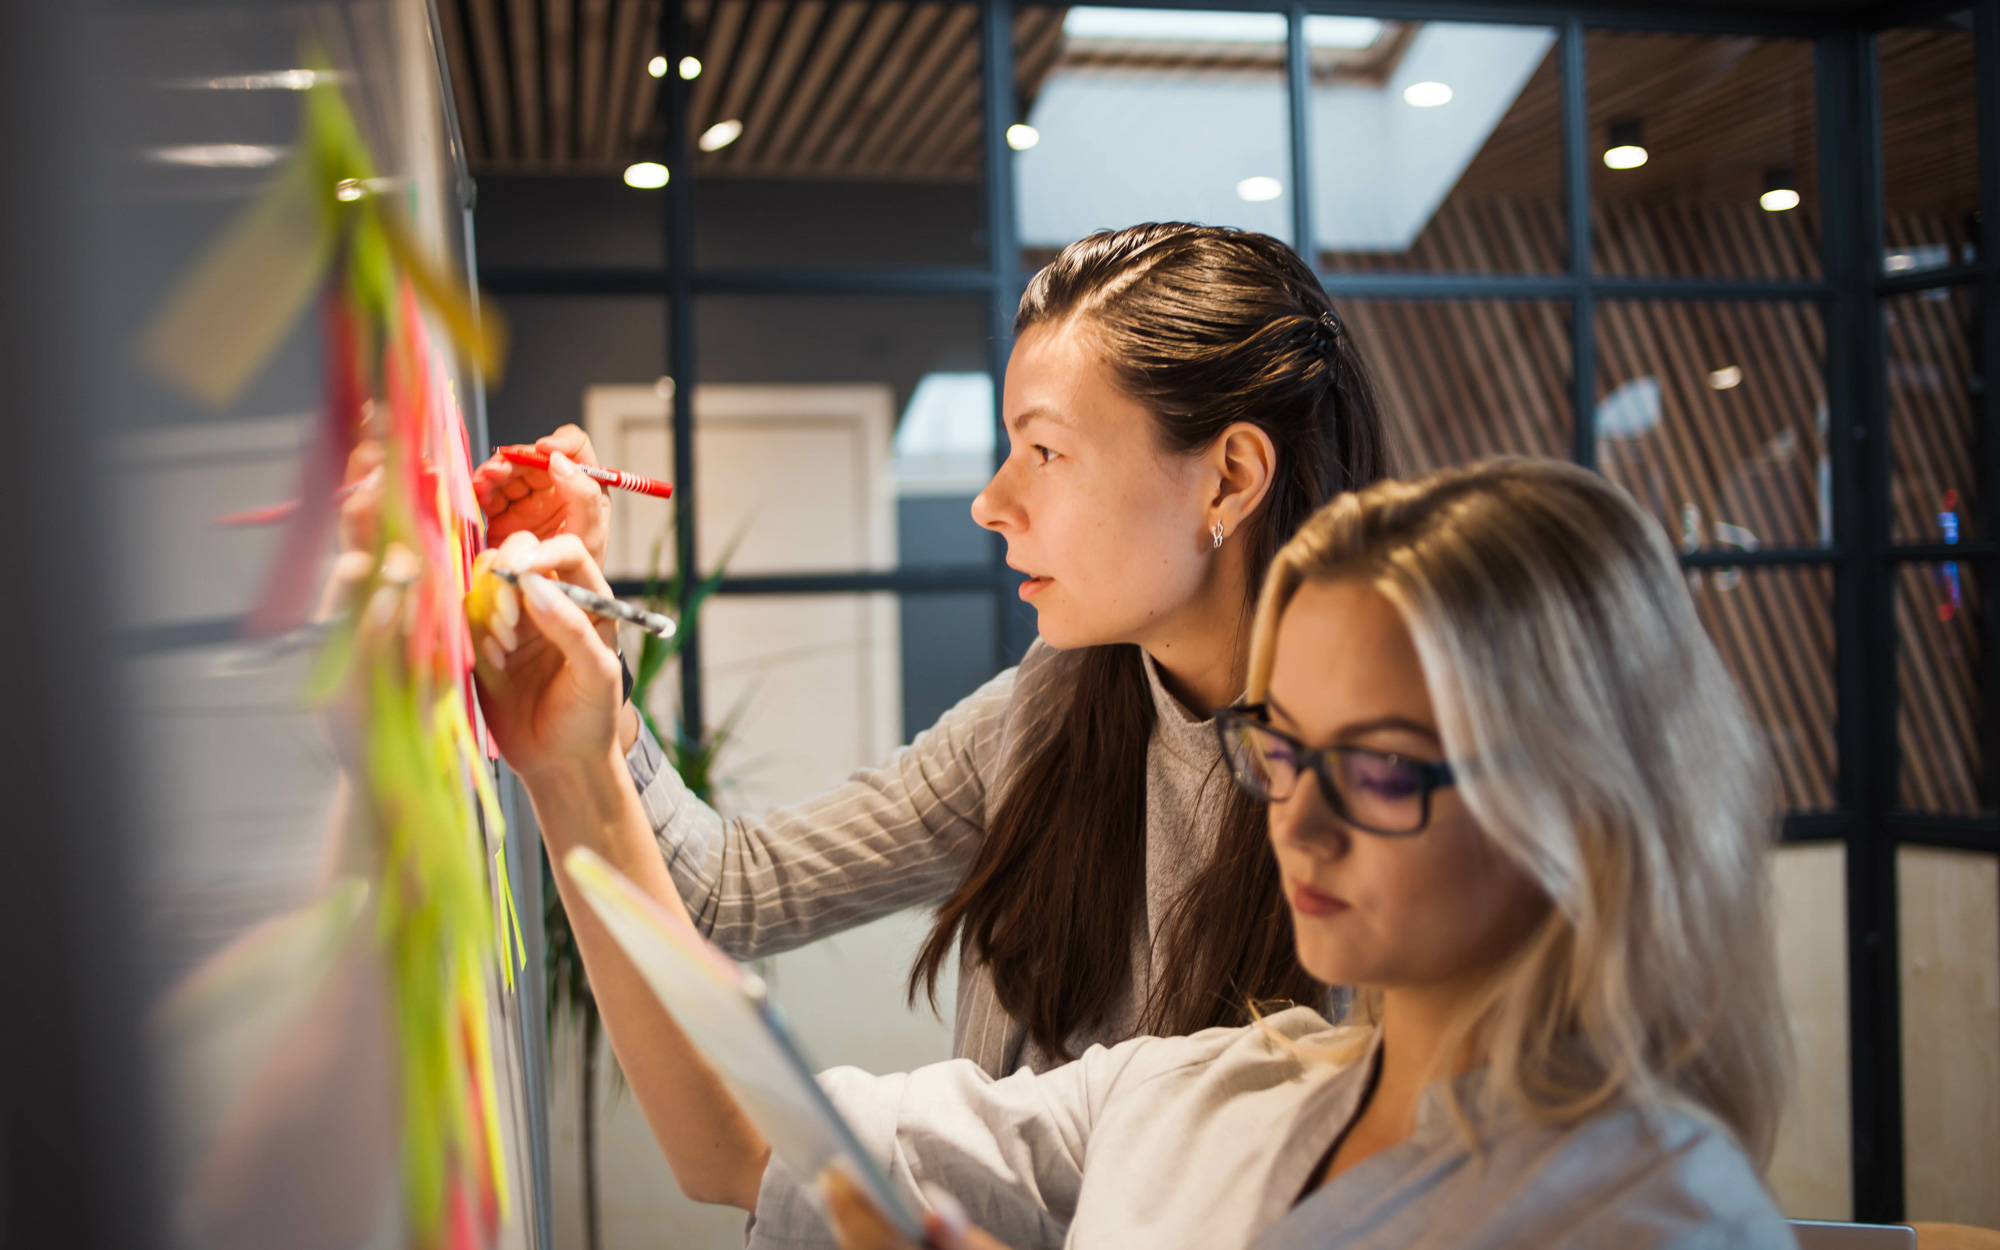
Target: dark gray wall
point(562, 344)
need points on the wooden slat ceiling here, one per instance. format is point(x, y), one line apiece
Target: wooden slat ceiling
point(824, 88)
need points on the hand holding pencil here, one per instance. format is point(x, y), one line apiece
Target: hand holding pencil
point(547, 670)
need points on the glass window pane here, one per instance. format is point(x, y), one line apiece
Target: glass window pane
point(1703, 157)
point(837, 134)
point(818, 409)
point(1930, 145)
point(560, 345)
point(1438, 146)
point(1941, 728)
point(1464, 379)
point(1133, 115)
point(1774, 628)
point(1933, 340)
point(1713, 415)
point(1948, 943)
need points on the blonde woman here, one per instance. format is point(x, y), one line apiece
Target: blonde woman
point(1514, 797)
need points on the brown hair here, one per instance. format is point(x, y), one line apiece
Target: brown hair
point(1207, 327)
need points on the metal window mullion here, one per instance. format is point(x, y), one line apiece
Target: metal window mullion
point(1011, 635)
point(1298, 97)
point(1986, 44)
point(1576, 199)
point(1848, 108)
point(679, 225)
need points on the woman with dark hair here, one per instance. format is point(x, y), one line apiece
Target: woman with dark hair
point(1179, 400)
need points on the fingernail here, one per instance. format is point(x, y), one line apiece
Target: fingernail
point(494, 655)
point(508, 604)
point(561, 465)
point(546, 596)
point(502, 632)
point(956, 1223)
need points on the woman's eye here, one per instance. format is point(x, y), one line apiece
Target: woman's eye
point(1042, 454)
point(1385, 778)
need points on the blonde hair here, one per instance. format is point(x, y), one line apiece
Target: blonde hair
point(1602, 746)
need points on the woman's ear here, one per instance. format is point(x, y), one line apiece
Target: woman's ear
point(1245, 462)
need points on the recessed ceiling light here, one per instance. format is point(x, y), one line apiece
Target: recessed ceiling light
point(1021, 136)
point(646, 175)
point(690, 67)
point(1426, 95)
point(1781, 189)
point(657, 67)
point(218, 155)
point(1260, 188)
point(1726, 378)
point(1627, 149)
point(720, 135)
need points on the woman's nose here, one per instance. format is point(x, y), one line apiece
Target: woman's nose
point(994, 507)
point(1303, 820)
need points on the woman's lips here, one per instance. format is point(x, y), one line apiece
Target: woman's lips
point(1313, 902)
point(1033, 586)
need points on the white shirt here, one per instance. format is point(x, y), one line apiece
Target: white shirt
point(1206, 1142)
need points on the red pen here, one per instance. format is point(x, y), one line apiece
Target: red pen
point(609, 477)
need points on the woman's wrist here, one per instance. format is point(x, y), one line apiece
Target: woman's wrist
point(578, 801)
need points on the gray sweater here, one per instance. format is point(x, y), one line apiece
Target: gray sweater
point(902, 835)
point(1207, 1143)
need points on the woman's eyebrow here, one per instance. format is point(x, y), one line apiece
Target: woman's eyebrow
point(1019, 420)
point(1361, 727)
point(1403, 723)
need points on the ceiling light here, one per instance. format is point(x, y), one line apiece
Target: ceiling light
point(1021, 136)
point(1781, 190)
point(720, 135)
point(1627, 149)
point(1342, 32)
point(267, 80)
point(646, 175)
point(1181, 26)
point(657, 67)
point(690, 67)
point(1726, 378)
point(1426, 95)
point(1173, 25)
point(218, 155)
point(1260, 188)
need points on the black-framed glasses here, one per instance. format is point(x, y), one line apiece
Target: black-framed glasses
point(1374, 791)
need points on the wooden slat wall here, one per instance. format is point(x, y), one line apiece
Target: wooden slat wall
point(1463, 380)
point(1937, 682)
point(1933, 425)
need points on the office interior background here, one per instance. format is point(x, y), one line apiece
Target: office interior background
point(1729, 255)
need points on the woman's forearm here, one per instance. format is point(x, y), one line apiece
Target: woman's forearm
point(716, 1154)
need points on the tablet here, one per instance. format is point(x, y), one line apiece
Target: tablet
point(727, 1013)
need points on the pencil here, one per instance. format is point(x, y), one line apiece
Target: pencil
point(599, 605)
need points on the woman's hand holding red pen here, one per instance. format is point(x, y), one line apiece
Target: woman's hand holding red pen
point(546, 502)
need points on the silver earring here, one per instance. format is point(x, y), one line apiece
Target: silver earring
point(1215, 532)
